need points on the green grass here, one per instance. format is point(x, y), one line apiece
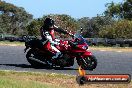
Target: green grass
point(12, 79)
point(11, 43)
point(93, 47)
point(14, 83)
point(107, 48)
point(53, 75)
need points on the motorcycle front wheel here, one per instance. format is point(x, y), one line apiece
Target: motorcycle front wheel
point(88, 63)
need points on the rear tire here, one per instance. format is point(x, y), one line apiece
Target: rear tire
point(88, 63)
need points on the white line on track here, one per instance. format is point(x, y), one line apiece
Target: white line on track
point(108, 50)
point(12, 45)
point(118, 51)
point(102, 50)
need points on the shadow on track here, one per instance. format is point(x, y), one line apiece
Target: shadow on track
point(44, 67)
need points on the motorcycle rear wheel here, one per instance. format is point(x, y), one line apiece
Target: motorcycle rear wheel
point(88, 63)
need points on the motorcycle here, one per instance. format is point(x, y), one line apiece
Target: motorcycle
point(75, 48)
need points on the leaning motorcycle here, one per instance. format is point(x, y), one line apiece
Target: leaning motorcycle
point(74, 48)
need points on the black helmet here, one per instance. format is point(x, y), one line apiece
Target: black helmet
point(48, 22)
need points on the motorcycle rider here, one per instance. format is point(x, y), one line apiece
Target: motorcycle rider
point(47, 33)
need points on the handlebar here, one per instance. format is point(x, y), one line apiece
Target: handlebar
point(28, 38)
point(72, 35)
point(72, 43)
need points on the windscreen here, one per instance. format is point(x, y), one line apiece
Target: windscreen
point(80, 37)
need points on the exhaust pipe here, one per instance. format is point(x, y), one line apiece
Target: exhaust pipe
point(37, 60)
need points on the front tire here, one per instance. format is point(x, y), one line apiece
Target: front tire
point(88, 63)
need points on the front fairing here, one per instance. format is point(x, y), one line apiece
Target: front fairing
point(80, 37)
point(80, 41)
point(81, 49)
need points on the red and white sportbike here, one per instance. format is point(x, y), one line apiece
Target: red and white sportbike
point(76, 48)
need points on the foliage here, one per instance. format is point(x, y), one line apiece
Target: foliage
point(120, 10)
point(63, 21)
point(92, 26)
point(33, 27)
point(121, 29)
point(122, 14)
point(13, 19)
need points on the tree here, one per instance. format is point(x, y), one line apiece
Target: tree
point(61, 20)
point(34, 26)
point(86, 24)
point(120, 10)
point(120, 29)
point(93, 26)
point(64, 21)
point(13, 19)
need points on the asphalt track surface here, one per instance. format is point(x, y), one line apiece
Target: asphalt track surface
point(109, 62)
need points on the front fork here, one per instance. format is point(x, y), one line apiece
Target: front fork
point(81, 57)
